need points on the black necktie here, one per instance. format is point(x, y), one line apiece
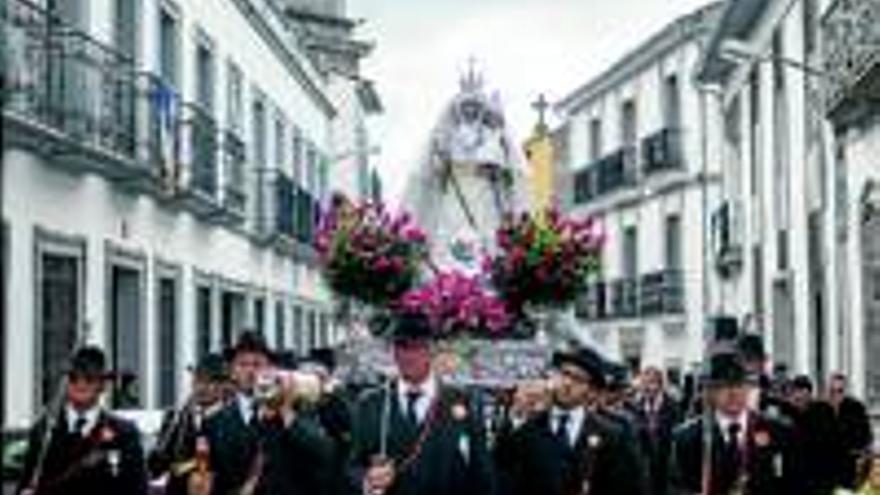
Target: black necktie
point(562, 428)
point(734, 456)
point(412, 400)
point(78, 426)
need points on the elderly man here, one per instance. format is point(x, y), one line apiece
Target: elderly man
point(416, 436)
point(751, 452)
point(568, 449)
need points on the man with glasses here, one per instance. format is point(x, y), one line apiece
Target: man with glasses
point(568, 449)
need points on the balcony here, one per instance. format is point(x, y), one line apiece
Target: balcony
point(662, 151)
point(625, 298)
point(654, 294)
point(234, 198)
point(662, 293)
point(67, 96)
point(611, 173)
point(308, 213)
point(851, 32)
point(199, 136)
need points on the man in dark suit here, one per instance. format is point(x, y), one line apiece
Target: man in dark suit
point(174, 453)
point(852, 429)
point(568, 449)
point(262, 445)
point(333, 412)
point(659, 414)
point(90, 450)
point(813, 423)
point(416, 436)
point(750, 452)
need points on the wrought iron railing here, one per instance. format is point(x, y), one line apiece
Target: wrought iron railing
point(277, 205)
point(60, 77)
point(662, 151)
point(234, 163)
point(200, 134)
point(625, 298)
point(662, 293)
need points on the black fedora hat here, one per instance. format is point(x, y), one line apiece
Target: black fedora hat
point(585, 358)
point(324, 356)
point(725, 368)
point(89, 361)
point(211, 366)
point(251, 342)
point(410, 326)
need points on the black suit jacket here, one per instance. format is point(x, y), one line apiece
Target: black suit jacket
point(854, 435)
point(658, 443)
point(532, 460)
point(109, 460)
point(453, 457)
point(296, 458)
point(773, 465)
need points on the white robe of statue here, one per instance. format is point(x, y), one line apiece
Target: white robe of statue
point(469, 175)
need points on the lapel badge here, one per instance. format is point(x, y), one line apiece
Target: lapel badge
point(593, 441)
point(113, 460)
point(778, 465)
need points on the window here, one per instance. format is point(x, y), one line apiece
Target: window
point(260, 315)
point(323, 177)
point(203, 321)
point(733, 139)
point(297, 156)
point(280, 142)
point(629, 125)
point(313, 330)
point(673, 242)
point(166, 358)
point(169, 47)
point(755, 120)
point(630, 252)
point(259, 130)
point(205, 76)
point(758, 286)
point(298, 330)
point(595, 139)
point(126, 27)
point(671, 102)
point(280, 340)
point(59, 308)
point(311, 169)
point(810, 26)
point(234, 104)
point(125, 332)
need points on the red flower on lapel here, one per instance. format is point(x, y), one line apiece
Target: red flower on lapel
point(106, 434)
point(459, 411)
point(762, 438)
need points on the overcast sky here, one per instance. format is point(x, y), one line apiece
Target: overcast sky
point(524, 46)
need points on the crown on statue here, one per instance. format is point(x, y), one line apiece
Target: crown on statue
point(472, 79)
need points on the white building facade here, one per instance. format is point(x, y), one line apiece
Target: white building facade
point(635, 155)
point(794, 84)
point(163, 166)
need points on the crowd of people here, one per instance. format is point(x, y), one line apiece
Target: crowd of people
point(262, 423)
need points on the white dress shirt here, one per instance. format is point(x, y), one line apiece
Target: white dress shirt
point(245, 407)
point(725, 421)
point(427, 392)
point(575, 422)
point(90, 416)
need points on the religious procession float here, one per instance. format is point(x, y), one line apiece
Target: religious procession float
point(494, 278)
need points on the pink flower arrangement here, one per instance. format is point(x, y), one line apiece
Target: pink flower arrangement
point(545, 259)
point(368, 253)
point(457, 305)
